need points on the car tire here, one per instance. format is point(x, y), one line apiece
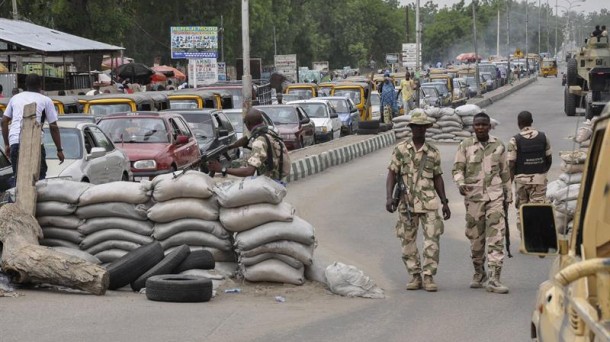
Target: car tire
point(572, 77)
point(166, 266)
point(178, 288)
point(202, 260)
point(368, 125)
point(133, 264)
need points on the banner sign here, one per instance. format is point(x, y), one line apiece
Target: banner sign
point(222, 71)
point(194, 42)
point(202, 71)
point(287, 65)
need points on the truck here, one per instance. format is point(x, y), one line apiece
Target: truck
point(588, 78)
point(574, 303)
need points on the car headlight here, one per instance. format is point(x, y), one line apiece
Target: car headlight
point(145, 164)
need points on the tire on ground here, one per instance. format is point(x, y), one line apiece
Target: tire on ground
point(133, 264)
point(201, 259)
point(178, 288)
point(372, 124)
point(165, 266)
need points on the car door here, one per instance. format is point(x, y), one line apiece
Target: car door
point(95, 169)
point(224, 125)
point(307, 130)
point(335, 120)
point(115, 161)
point(185, 154)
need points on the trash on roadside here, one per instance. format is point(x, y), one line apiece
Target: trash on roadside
point(233, 290)
point(280, 299)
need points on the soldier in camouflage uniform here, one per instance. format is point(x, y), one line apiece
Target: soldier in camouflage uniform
point(481, 173)
point(418, 163)
point(269, 155)
point(529, 159)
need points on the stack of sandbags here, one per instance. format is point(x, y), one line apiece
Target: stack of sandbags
point(115, 219)
point(186, 213)
point(466, 113)
point(584, 133)
point(56, 204)
point(401, 126)
point(272, 243)
point(451, 127)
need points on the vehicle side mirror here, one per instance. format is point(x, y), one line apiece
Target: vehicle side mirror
point(304, 121)
point(223, 133)
point(538, 229)
point(96, 152)
point(181, 140)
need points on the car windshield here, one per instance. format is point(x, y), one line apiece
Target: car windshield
point(339, 105)
point(314, 110)
point(183, 104)
point(353, 94)
point(442, 89)
point(324, 91)
point(236, 120)
point(71, 142)
point(429, 91)
point(281, 115)
point(135, 130)
point(375, 100)
point(302, 93)
point(105, 109)
point(201, 124)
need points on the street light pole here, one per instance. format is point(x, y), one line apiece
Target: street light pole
point(245, 41)
point(556, 24)
point(539, 27)
point(417, 38)
point(476, 54)
point(527, 65)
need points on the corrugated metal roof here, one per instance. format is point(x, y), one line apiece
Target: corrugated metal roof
point(43, 39)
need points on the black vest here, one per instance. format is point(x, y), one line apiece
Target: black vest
point(531, 155)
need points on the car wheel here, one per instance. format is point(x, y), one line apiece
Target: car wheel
point(178, 288)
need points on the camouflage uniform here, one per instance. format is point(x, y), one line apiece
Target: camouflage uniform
point(258, 158)
point(423, 202)
point(483, 167)
point(528, 188)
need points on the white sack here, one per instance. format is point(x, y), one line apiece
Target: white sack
point(54, 208)
point(566, 207)
point(102, 223)
point(193, 238)
point(298, 230)
point(468, 110)
point(572, 168)
point(571, 178)
point(250, 216)
point(193, 184)
point(567, 193)
point(113, 244)
point(447, 111)
point(249, 261)
point(467, 120)
point(553, 187)
point(250, 190)
point(181, 208)
point(127, 192)
point(584, 133)
point(347, 280)
point(162, 231)
point(60, 190)
point(274, 271)
point(113, 209)
point(402, 119)
point(113, 234)
point(573, 157)
point(296, 250)
point(217, 254)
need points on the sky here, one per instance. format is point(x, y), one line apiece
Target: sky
point(587, 6)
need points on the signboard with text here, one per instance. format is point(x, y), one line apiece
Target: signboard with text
point(286, 65)
point(202, 71)
point(222, 71)
point(194, 42)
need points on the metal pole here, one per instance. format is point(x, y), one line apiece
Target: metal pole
point(407, 9)
point(539, 8)
point(546, 21)
point(222, 39)
point(556, 24)
point(508, 27)
point(15, 13)
point(245, 41)
point(476, 54)
point(527, 65)
point(498, 35)
point(417, 37)
point(274, 42)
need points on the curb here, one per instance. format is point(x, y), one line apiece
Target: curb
point(317, 163)
point(494, 98)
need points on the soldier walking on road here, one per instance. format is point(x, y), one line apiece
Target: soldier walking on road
point(529, 159)
point(481, 173)
point(418, 164)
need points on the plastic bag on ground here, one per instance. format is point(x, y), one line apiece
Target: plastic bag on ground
point(298, 230)
point(127, 192)
point(250, 190)
point(60, 190)
point(193, 184)
point(181, 208)
point(250, 216)
point(347, 280)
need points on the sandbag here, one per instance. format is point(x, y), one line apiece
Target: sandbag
point(553, 187)
point(433, 131)
point(193, 238)
point(347, 280)
point(444, 124)
point(110, 255)
point(113, 234)
point(494, 123)
point(181, 208)
point(573, 157)
point(567, 193)
point(443, 136)
point(60, 190)
point(249, 261)
point(126, 192)
point(452, 117)
point(467, 120)
point(57, 243)
point(468, 110)
point(583, 133)
point(113, 244)
point(566, 207)
point(462, 134)
point(401, 135)
point(276, 271)
point(451, 129)
point(247, 217)
point(561, 222)
point(401, 125)
point(402, 129)
point(298, 230)
point(79, 254)
point(434, 112)
point(101, 223)
point(572, 168)
point(162, 231)
point(586, 143)
point(402, 119)
point(68, 222)
point(296, 250)
point(227, 269)
point(447, 111)
point(250, 190)
point(54, 208)
point(192, 184)
point(113, 209)
point(571, 178)
point(217, 254)
point(71, 235)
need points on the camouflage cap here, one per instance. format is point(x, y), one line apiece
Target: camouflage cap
point(419, 117)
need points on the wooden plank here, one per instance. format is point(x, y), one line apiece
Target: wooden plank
point(28, 166)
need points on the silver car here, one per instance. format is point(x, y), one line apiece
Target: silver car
point(90, 156)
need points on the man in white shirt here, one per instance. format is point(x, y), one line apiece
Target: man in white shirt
point(13, 115)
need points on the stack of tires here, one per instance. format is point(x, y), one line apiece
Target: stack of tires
point(186, 213)
point(115, 219)
point(55, 211)
point(271, 242)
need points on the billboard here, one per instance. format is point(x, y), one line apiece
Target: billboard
point(194, 42)
point(222, 71)
point(321, 65)
point(202, 71)
point(287, 66)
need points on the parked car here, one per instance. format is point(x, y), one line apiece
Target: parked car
point(429, 96)
point(237, 120)
point(445, 95)
point(213, 130)
point(6, 172)
point(347, 111)
point(90, 155)
point(294, 126)
point(156, 143)
point(324, 117)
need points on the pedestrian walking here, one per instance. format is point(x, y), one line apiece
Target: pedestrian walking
point(416, 167)
point(529, 159)
point(388, 98)
point(407, 89)
point(481, 173)
point(13, 115)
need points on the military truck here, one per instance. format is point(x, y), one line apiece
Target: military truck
point(588, 78)
point(574, 304)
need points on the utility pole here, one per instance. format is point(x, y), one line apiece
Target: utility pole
point(407, 9)
point(417, 38)
point(274, 42)
point(539, 8)
point(222, 39)
point(15, 13)
point(245, 41)
point(556, 24)
point(498, 35)
point(527, 65)
point(476, 53)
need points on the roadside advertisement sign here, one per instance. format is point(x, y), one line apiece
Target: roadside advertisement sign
point(321, 65)
point(409, 55)
point(202, 71)
point(194, 42)
point(391, 58)
point(286, 65)
point(222, 71)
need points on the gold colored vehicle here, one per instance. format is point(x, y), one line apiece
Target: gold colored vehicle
point(359, 93)
point(105, 104)
point(67, 104)
point(304, 90)
point(549, 67)
point(325, 88)
point(574, 304)
point(197, 99)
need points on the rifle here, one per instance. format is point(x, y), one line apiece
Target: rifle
point(213, 155)
point(401, 191)
point(506, 230)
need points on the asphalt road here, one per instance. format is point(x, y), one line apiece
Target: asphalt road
point(346, 205)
